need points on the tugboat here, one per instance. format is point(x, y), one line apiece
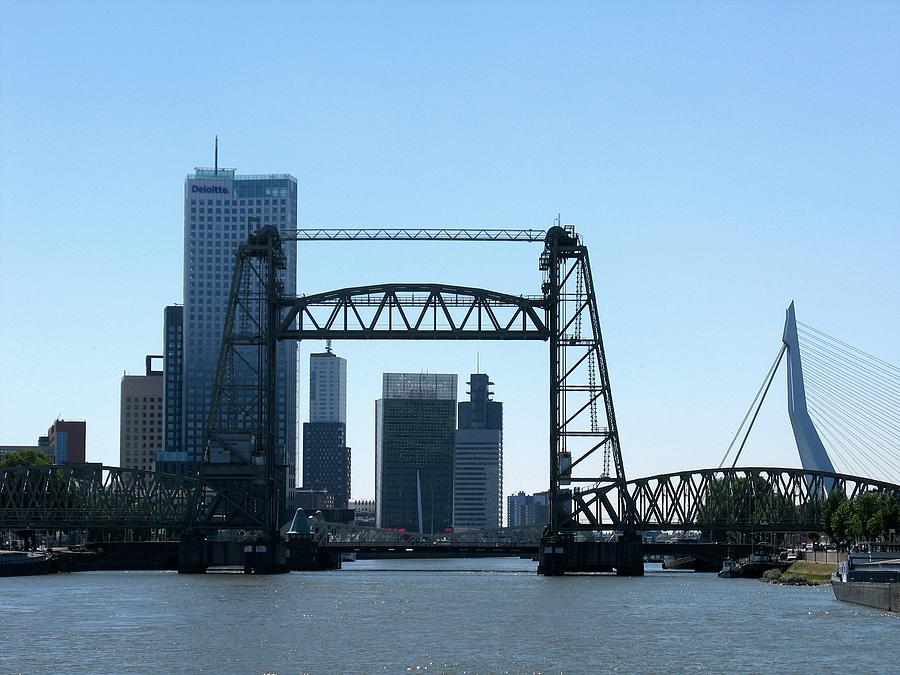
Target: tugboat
point(730, 569)
point(762, 558)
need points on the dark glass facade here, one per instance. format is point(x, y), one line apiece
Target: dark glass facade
point(173, 364)
point(326, 460)
point(415, 426)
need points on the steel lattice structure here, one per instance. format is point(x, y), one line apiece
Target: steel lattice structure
point(749, 499)
point(241, 442)
point(413, 311)
point(413, 234)
point(241, 474)
point(92, 496)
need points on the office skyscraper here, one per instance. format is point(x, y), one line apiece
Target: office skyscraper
point(415, 421)
point(326, 457)
point(173, 364)
point(141, 418)
point(217, 207)
point(478, 459)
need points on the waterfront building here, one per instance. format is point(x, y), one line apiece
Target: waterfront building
point(478, 459)
point(522, 509)
point(141, 418)
point(415, 421)
point(65, 441)
point(326, 457)
point(218, 208)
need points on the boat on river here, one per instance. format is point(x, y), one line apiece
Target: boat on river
point(762, 559)
point(731, 569)
point(870, 577)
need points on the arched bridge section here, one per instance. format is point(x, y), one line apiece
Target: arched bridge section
point(750, 499)
point(85, 496)
point(414, 311)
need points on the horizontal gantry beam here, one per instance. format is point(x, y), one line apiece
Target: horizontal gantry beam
point(412, 234)
point(753, 499)
point(414, 312)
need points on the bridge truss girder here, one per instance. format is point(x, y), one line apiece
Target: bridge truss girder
point(86, 496)
point(742, 499)
point(413, 311)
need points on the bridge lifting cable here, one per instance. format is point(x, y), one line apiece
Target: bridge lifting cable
point(755, 406)
point(591, 363)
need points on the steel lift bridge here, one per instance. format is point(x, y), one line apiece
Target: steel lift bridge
point(242, 474)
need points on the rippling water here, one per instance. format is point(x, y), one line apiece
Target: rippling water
point(456, 616)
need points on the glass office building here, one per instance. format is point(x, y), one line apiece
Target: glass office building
point(218, 206)
point(415, 422)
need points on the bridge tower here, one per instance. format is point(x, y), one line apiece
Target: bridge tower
point(241, 484)
point(813, 455)
point(584, 439)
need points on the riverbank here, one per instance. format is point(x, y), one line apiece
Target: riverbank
point(802, 573)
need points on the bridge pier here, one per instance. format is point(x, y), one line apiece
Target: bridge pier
point(563, 554)
point(197, 553)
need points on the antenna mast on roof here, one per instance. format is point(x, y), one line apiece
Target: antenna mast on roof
point(328, 346)
point(216, 165)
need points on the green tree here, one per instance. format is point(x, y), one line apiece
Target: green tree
point(834, 500)
point(735, 503)
point(24, 457)
point(868, 516)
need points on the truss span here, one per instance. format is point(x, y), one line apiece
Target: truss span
point(750, 499)
point(92, 496)
point(414, 311)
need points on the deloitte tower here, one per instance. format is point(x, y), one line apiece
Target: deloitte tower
point(218, 206)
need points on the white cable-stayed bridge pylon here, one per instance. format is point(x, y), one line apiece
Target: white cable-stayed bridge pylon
point(843, 405)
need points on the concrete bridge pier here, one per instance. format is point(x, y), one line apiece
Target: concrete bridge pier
point(561, 555)
point(197, 553)
point(192, 558)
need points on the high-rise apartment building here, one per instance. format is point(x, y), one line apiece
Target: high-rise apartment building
point(218, 206)
point(478, 459)
point(415, 421)
point(141, 418)
point(522, 509)
point(66, 442)
point(326, 457)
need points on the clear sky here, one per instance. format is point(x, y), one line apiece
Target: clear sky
point(719, 159)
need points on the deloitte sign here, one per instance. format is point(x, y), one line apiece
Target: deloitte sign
point(209, 188)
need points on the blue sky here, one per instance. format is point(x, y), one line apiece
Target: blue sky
point(719, 159)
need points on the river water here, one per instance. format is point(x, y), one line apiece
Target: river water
point(441, 616)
